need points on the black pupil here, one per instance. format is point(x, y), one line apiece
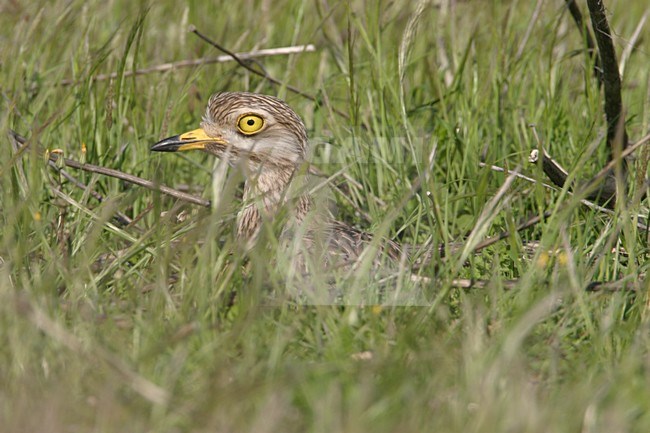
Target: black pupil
point(250, 122)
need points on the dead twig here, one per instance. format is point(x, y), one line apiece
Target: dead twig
point(120, 217)
point(451, 249)
point(604, 193)
point(624, 284)
point(297, 49)
point(533, 158)
point(55, 158)
point(584, 191)
point(517, 174)
point(574, 10)
point(551, 167)
point(590, 189)
point(132, 179)
point(466, 283)
point(506, 234)
point(616, 133)
point(18, 142)
point(607, 170)
point(262, 74)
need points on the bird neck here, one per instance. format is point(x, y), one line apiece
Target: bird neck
point(265, 193)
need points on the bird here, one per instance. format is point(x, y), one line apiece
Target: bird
point(268, 140)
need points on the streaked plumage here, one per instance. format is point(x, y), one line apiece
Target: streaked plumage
point(265, 137)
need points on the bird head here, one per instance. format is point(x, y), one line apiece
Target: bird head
point(242, 127)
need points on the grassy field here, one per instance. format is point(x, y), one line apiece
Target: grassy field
point(112, 328)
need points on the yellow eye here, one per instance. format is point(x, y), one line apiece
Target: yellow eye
point(250, 124)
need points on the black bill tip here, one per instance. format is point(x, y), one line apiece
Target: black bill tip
point(169, 144)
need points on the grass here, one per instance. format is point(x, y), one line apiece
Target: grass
point(111, 328)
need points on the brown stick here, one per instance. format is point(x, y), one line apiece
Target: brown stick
point(616, 133)
point(262, 74)
point(204, 61)
point(55, 158)
point(574, 10)
point(120, 217)
point(537, 219)
point(465, 283)
point(132, 179)
point(504, 235)
point(604, 193)
point(590, 189)
point(558, 175)
point(533, 158)
point(551, 167)
point(605, 171)
point(622, 285)
point(17, 140)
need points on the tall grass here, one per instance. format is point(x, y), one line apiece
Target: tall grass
point(111, 328)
